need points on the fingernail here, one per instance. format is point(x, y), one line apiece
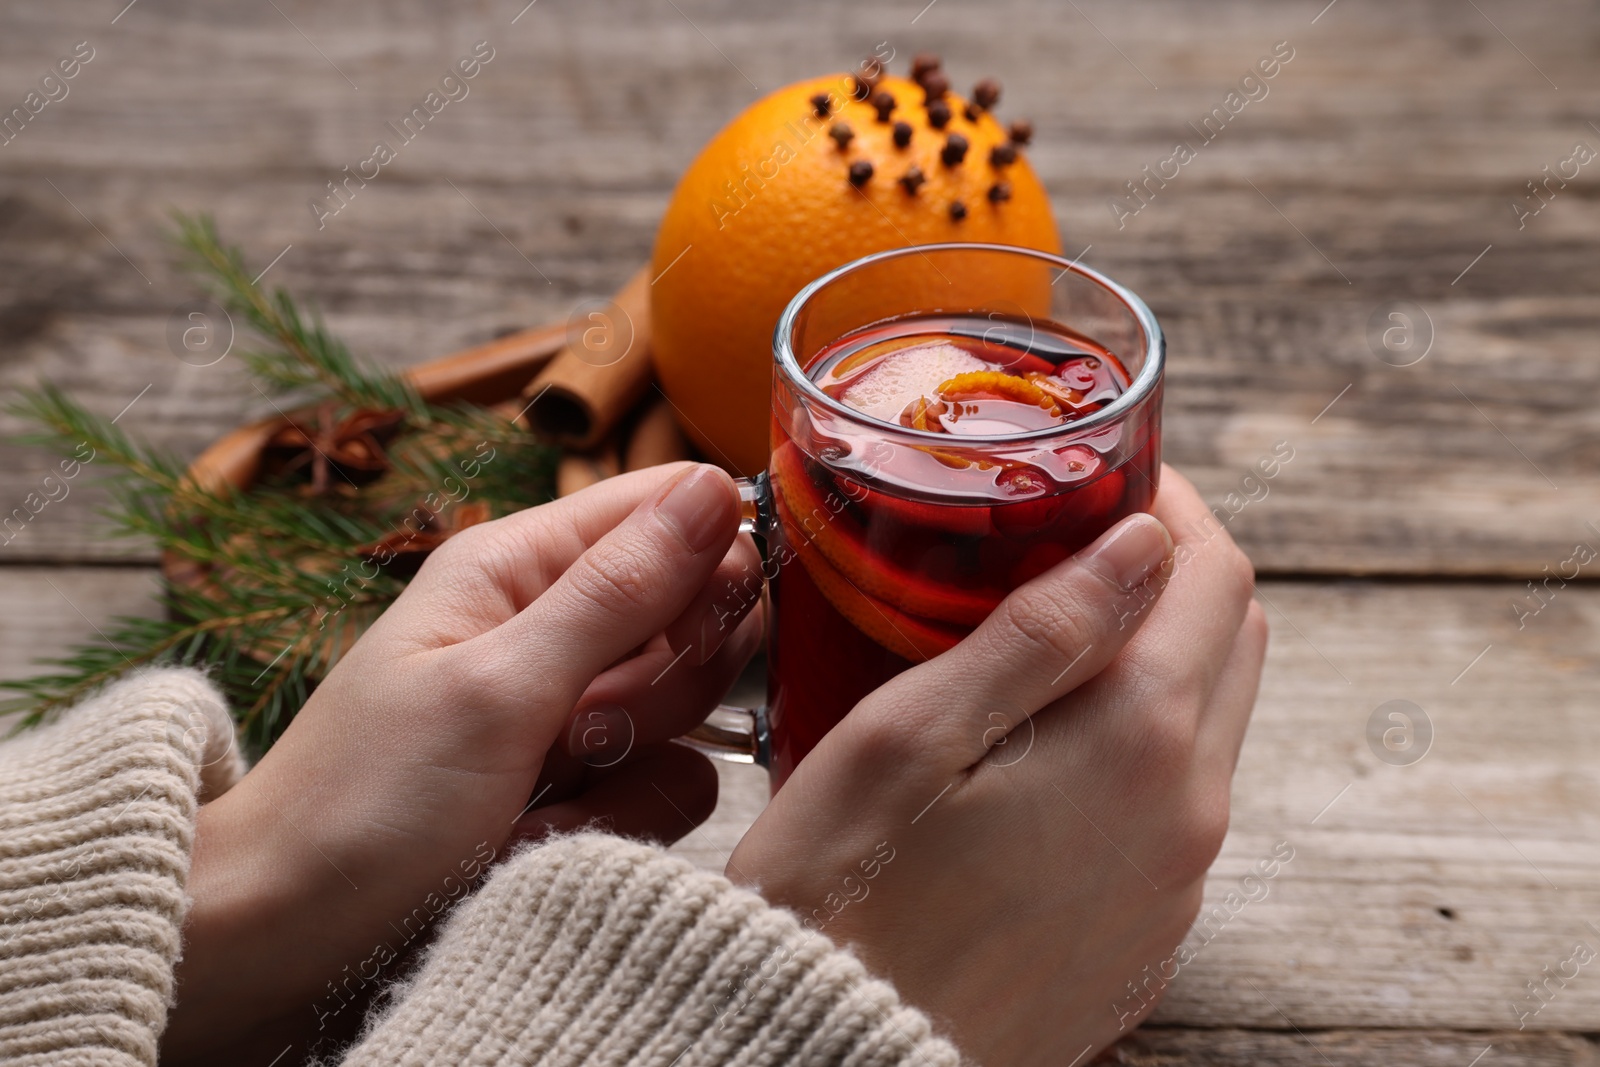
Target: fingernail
point(603, 730)
point(699, 507)
point(1132, 551)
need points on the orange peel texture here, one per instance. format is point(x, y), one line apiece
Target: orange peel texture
point(997, 385)
point(793, 188)
point(841, 543)
point(904, 635)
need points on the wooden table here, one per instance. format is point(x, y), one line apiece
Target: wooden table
point(1381, 166)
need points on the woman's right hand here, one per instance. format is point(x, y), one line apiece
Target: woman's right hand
point(1013, 830)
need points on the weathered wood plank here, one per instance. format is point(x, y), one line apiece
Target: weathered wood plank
point(1161, 1046)
point(1394, 141)
point(48, 610)
point(1387, 153)
point(1421, 895)
point(1418, 896)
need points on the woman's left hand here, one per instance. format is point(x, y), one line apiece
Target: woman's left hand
point(546, 655)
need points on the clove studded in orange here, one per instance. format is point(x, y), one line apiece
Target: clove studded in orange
point(811, 177)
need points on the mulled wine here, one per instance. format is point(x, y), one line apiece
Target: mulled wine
point(946, 472)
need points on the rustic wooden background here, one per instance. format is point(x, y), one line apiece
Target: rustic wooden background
point(1381, 167)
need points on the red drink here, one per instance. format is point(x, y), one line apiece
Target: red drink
point(890, 545)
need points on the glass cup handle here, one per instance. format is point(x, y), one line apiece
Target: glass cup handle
point(739, 735)
point(733, 735)
point(755, 504)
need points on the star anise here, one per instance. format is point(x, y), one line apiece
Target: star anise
point(352, 447)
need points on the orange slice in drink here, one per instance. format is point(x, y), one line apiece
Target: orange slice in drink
point(840, 540)
point(945, 519)
point(907, 636)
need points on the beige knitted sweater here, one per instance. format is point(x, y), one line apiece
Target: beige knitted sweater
point(589, 950)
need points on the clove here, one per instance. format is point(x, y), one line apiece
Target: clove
point(986, 94)
point(842, 134)
point(821, 105)
point(913, 179)
point(938, 114)
point(999, 192)
point(958, 210)
point(902, 134)
point(1003, 155)
point(1022, 131)
point(924, 64)
point(954, 151)
point(860, 173)
point(884, 102)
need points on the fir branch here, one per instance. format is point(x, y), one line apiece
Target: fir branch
point(132, 642)
point(315, 358)
point(154, 497)
point(64, 424)
point(276, 603)
point(481, 450)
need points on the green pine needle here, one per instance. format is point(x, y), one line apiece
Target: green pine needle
point(292, 575)
point(316, 359)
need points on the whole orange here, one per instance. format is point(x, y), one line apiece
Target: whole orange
point(803, 181)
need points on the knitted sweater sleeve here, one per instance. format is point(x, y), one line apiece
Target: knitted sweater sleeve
point(586, 950)
point(592, 950)
point(97, 817)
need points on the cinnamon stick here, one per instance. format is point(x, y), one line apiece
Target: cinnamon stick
point(490, 371)
point(656, 439)
point(599, 375)
point(580, 470)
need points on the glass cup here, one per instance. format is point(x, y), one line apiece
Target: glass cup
point(886, 544)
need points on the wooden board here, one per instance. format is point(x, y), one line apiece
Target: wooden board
point(1379, 166)
point(49, 610)
point(1418, 896)
point(1162, 1046)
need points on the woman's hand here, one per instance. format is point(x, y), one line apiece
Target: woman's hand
point(1013, 830)
point(546, 655)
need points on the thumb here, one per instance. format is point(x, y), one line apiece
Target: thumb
point(1045, 639)
point(623, 590)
